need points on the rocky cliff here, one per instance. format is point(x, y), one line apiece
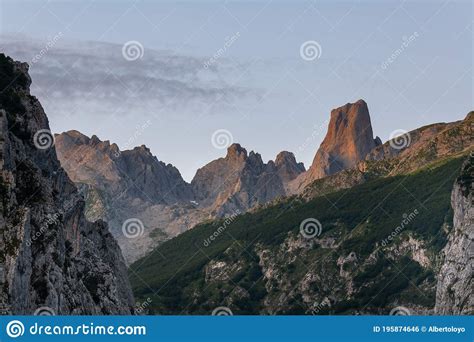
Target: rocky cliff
point(134, 184)
point(412, 151)
point(137, 172)
point(348, 140)
point(241, 181)
point(371, 249)
point(425, 145)
point(50, 255)
point(454, 295)
point(121, 186)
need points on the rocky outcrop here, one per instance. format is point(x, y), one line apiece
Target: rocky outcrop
point(136, 172)
point(124, 185)
point(287, 167)
point(349, 139)
point(455, 290)
point(240, 181)
point(129, 185)
point(419, 148)
point(424, 145)
point(50, 255)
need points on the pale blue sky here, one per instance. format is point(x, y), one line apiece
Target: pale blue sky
point(260, 89)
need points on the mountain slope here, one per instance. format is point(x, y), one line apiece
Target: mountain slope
point(403, 155)
point(50, 254)
point(124, 185)
point(262, 263)
point(129, 185)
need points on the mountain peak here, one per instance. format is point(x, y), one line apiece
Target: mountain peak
point(142, 149)
point(284, 156)
point(470, 116)
point(349, 139)
point(236, 151)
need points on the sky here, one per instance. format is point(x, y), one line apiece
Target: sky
point(187, 78)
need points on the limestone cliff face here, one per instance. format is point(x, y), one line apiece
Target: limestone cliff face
point(137, 171)
point(287, 167)
point(455, 290)
point(241, 181)
point(133, 184)
point(50, 255)
point(417, 149)
point(349, 139)
point(120, 185)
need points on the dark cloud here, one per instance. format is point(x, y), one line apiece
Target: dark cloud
point(96, 76)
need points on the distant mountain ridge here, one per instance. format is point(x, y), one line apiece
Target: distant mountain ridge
point(267, 263)
point(120, 185)
point(240, 181)
point(103, 165)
